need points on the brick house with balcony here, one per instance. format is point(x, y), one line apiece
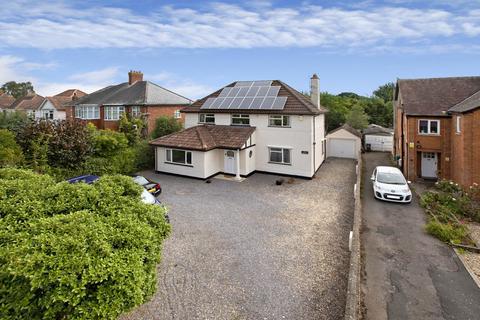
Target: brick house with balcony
point(429, 142)
point(137, 97)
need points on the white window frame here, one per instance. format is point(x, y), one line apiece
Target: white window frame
point(48, 114)
point(186, 160)
point(240, 117)
point(87, 112)
point(177, 114)
point(135, 111)
point(282, 151)
point(429, 127)
point(113, 113)
point(203, 117)
point(458, 122)
point(284, 120)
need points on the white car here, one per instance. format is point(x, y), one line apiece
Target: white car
point(389, 184)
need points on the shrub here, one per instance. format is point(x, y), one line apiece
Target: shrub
point(106, 143)
point(132, 127)
point(67, 141)
point(13, 120)
point(11, 154)
point(447, 231)
point(75, 251)
point(166, 125)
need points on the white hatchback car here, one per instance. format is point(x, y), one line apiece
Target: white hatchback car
point(390, 185)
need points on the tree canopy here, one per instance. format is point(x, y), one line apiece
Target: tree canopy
point(17, 89)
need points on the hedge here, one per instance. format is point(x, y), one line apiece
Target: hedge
point(75, 251)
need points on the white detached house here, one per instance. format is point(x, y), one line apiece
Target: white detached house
point(247, 127)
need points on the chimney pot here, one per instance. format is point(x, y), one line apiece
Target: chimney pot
point(134, 76)
point(315, 90)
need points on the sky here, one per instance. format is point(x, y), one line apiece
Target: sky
point(196, 47)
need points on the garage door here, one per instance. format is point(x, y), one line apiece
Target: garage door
point(379, 143)
point(342, 148)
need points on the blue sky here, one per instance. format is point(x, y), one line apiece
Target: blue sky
point(195, 47)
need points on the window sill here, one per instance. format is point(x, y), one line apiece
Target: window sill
point(279, 126)
point(206, 123)
point(280, 163)
point(179, 164)
point(429, 134)
point(239, 125)
point(111, 120)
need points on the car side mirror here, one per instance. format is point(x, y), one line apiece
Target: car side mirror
point(372, 178)
point(409, 181)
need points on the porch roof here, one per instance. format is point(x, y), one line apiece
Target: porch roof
point(206, 137)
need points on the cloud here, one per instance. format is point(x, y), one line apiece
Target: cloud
point(106, 75)
point(222, 25)
point(181, 85)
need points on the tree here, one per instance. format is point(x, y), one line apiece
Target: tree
point(166, 125)
point(17, 89)
point(385, 92)
point(13, 120)
point(11, 154)
point(132, 127)
point(76, 251)
point(357, 117)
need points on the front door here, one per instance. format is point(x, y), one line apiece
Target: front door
point(229, 162)
point(429, 164)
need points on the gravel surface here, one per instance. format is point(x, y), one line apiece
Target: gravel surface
point(254, 250)
point(471, 258)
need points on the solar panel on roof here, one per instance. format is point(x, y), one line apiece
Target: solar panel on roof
point(248, 95)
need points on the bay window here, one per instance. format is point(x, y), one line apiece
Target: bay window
point(87, 112)
point(113, 112)
point(178, 156)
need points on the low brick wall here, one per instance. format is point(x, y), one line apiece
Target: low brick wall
point(352, 307)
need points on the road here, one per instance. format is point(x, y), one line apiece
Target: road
point(409, 274)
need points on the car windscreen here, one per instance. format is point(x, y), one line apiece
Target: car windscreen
point(390, 178)
point(140, 180)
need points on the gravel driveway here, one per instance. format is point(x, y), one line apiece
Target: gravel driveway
point(254, 250)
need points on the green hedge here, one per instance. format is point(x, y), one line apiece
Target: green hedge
point(75, 251)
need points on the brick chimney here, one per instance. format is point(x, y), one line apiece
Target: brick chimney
point(315, 90)
point(134, 76)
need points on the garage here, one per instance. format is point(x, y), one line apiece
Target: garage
point(377, 138)
point(344, 142)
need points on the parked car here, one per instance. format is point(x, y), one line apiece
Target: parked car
point(147, 197)
point(389, 184)
point(88, 179)
point(152, 187)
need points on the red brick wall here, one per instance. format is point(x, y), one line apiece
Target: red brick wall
point(155, 112)
point(466, 149)
point(427, 143)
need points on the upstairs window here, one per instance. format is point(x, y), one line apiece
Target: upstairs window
point(206, 118)
point(459, 124)
point(113, 113)
point(429, 127)
point(87, 112)
point(240, 120)
point(48, 114)
point(177, 114)
point(279, 121)
point(135, 111)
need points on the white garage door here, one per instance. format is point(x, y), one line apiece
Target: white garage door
point(342, 148)
point(379, 143)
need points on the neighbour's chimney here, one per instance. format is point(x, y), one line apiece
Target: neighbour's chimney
point(315, 90)
point(134, 76)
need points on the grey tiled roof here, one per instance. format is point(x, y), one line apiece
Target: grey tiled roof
point(140, 92)
point(468, 104)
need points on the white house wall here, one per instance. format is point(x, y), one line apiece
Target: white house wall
point(298, 137)
point(197, 169)
point(46, 106)
point(319, 138)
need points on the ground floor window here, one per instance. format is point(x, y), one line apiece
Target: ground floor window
point(179, 156)
point(113, 113)
point(87, 112)
point(135, 111)
point(47, 114)
point(177, 114)
point(279, 155)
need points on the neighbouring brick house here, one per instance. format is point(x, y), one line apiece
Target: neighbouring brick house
point(437, 128)
point(137, 97)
